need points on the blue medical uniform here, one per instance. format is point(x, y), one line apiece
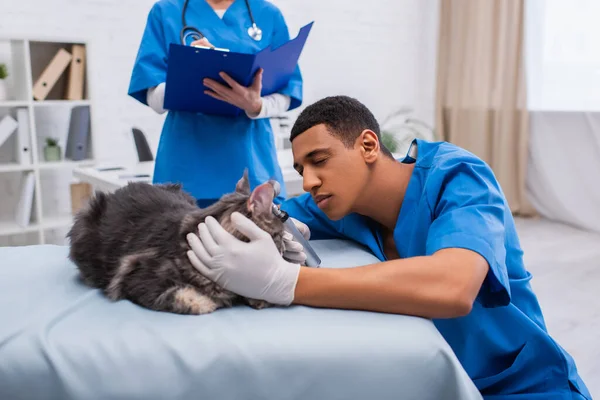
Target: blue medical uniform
point(207, 154)
point(454, 200)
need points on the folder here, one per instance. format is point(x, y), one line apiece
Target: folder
point(23, 142)
point(188, 66)
point(51, 73)
point(76, 73)
point(79, 131)
point(25, 204)
point(80, 195)
point(7, 126)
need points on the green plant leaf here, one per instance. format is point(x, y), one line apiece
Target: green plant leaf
point(3, 71)
point(389, 141)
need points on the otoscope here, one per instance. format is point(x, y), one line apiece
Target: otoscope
point(312, 259)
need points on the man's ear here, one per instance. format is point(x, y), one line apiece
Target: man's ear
point(243, 185)
point(369, 145)
point(261, 200)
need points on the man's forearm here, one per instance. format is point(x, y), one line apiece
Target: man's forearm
point(421, 286)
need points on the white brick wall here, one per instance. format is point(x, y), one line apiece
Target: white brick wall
point(381, 51)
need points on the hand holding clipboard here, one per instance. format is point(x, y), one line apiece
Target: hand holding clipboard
point(188, 66)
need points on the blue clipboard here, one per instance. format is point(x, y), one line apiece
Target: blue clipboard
point(188, 66)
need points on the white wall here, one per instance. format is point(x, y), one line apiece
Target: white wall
point(381, 51)
point(563, 61)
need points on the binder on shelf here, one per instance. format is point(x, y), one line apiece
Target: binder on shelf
point(23, 142)
point(25, 205)
point(81, 192)
point(7, 127)
point(51, 74)
point(79, 131)
point(76, 73)
point(188, 66)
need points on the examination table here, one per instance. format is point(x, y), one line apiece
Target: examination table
point(62, 340)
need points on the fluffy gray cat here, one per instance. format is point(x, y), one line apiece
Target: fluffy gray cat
point(132, 244)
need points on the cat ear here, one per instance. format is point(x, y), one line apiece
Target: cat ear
point(261, 200)
point(243, 186)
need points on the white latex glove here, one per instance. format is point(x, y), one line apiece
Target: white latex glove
point(255, 269)
point(294, 251)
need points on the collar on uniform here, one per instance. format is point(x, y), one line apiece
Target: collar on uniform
point(411, 154)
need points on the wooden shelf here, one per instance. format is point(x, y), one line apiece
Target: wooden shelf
point(52, 103)
point(8, 228)
point(13, 103)
point(67, 164)
point(64, 164)
point(56, 222)
point(14, 167)
point(43, 103)
point(12, 228)
point(27, 60)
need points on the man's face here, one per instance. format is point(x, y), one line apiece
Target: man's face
point(333, 174)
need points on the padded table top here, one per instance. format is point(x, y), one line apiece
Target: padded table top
point(62, 340)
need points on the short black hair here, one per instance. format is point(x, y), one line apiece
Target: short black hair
point(345, 117)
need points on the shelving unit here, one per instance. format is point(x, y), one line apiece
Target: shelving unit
point(26, 60)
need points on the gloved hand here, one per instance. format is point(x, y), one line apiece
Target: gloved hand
point(293, 251)
point(255, 269)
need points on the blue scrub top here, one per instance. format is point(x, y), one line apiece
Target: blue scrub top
point(454, 200)
point(208, 154)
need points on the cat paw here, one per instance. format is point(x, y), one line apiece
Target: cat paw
point(258, 304)
point(189, 301)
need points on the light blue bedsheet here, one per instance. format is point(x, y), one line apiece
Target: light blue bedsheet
point(62, 340)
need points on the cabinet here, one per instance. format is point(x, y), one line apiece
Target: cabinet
point(23, 156)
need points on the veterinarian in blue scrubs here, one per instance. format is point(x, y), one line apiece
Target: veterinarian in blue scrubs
point(208, 154)
point(446, 238)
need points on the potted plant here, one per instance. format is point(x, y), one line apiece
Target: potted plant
point(398, 130)
point(389, 141)
point(3, 76)
point(52, 150)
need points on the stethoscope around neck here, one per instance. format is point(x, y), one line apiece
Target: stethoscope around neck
point(254, 31)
